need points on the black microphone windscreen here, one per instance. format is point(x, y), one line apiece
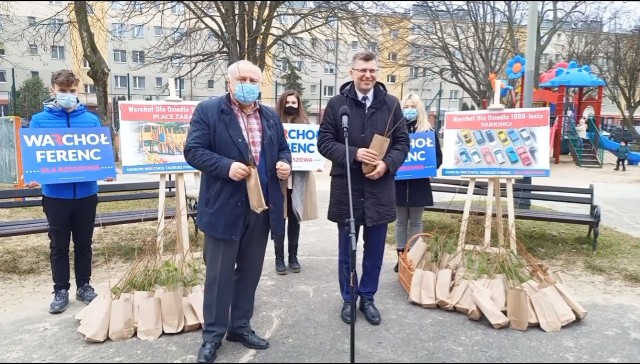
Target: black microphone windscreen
point(344, 110)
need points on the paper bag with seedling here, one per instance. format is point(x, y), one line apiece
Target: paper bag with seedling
point(380, 143)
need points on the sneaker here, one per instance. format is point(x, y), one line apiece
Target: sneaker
point(60, 301)
point(86, 293)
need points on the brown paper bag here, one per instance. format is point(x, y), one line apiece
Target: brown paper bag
point(380, 144)
point(482, 298)
point(416, 286)
point(498, 290)
point(443, 287)
point(138, 296)
point(149, 318)
point(544, 310)
point(517, 308)
point(256, 198)
point(561, 308)
point(121, 321)
point(191, 321)
point(172, 312)
point(466, 304)
point(532, 317)
point(456, 294)
point(578, 310)
point(416, 252)
point(196, 297)
point(428, 290)
point(95, 325)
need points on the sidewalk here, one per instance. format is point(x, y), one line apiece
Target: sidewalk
point(299, 313)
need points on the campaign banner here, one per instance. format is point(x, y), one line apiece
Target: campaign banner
point(153, 134)
point(303, 143)
point(64, 155)
point(421, 160)
point(512, 142)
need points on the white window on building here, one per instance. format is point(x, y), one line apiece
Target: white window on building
point(210, 84)
point(282, 64)
point(354, 45)
point(179, 84)
point(393, 34)
point(176, 61)
point(120, 55)
point(327, 91)
point(90, 10)
point(414, 72)
point(415, 29)
point(177, 33)
point(330, 44)
point(313, 66)
point(137, 57)
point(453, 94)
point(85, 63)
point(118, 29)
point(159, 82)
point(57, 52)
point(313, 89)
point(297, 65)
point(3, 76)
point(279, 89)
point(138, 82)
point(329, 69)
point(177, 8)
point(392, 56)
point(137, 31)
point(31, 20)
point(35, 74)
point(137, 5)
point(157, 31)
point(120, 81)
point(391, 79)
point(373, 47)
point(56, 24)
point(89, 88)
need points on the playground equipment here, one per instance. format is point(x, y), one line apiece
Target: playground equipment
point(10, 154)
point(161, 138)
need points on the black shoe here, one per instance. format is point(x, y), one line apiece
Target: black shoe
point(248, 339)
point(207, 353)
point(294, 265)
point(346, 313)
point(280, 267)
point(86, 293)
point(370, 311)
point(60, 301)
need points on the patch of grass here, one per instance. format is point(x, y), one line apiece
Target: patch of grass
point(23, 261)
point(617, 255)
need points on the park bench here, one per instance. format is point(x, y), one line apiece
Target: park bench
point(533, 192)
point(108, 192)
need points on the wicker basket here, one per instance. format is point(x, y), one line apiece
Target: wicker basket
point(406, 268)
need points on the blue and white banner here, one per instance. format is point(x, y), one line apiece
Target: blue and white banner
point(421, 160)
point(303, 143)
point(63, 155)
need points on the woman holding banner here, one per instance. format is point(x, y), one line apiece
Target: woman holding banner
point(299, 188)
point(412, 195)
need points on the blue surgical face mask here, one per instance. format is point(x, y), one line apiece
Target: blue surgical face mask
point(410, 114)
point(65, 100)
point(246, 93)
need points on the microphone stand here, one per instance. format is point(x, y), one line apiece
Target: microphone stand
point(352, 236)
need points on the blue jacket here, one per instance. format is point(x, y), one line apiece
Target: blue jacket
point(54, 117)
point(214, 142)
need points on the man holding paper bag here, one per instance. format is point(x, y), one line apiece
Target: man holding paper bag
point(240, 148)
point(378, 146)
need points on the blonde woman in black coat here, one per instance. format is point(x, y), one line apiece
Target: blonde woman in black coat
point(414, 194)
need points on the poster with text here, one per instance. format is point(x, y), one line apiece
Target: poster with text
point(421, 160)
point(303, 143)
point(513, 142)
point(153, 134)
point(65, 155)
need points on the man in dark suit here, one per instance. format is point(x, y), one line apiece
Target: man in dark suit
point(230, 138)
point(373, 111)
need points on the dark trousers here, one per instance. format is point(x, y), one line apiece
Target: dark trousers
point(67, 219)
point(233, 272)
point(621, 161)
point(374, 242)
point(293, 226)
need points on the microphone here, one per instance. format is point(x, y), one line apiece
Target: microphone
point(344, 115)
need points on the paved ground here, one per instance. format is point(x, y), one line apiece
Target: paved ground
point(299, 313)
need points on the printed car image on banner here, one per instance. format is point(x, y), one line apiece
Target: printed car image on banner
point(303, 143)
point(153, 134)
point(421, 160)
point(513, 142)
point(64, 155)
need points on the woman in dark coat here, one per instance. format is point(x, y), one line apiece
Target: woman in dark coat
point(413, 195)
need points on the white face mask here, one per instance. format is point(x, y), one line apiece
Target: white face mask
point(65, 100)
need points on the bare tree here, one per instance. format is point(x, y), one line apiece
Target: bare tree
point(465, 41)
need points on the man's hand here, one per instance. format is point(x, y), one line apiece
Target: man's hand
point(33, 184)
point(238, 171)
point(381, 169)
point(109, 179)
point(368, 156)
point(283, 170)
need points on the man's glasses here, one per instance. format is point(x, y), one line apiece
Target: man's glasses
point(363, 71)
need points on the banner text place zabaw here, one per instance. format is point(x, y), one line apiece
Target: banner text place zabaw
point(87, 147)
point(158, 113)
